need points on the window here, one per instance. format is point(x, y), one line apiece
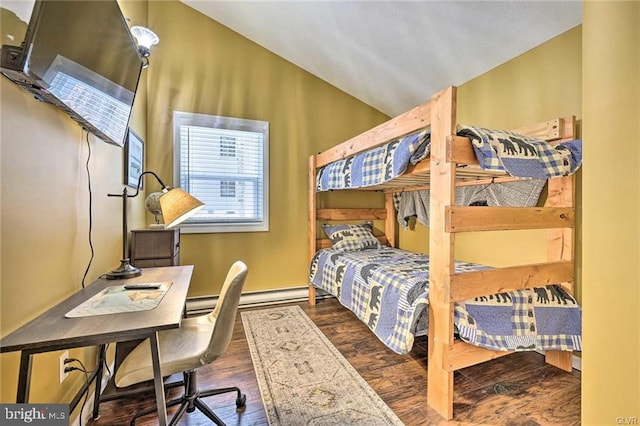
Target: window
point(223, 162)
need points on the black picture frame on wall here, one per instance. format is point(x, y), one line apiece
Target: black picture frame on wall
point(133, 159)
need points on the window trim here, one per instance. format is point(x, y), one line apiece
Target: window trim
point(220, 122)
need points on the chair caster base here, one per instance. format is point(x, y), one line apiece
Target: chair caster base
point(241, 403)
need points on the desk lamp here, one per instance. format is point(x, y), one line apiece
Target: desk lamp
point(176, 206)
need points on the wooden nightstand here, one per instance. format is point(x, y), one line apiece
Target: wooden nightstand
point(155, 247)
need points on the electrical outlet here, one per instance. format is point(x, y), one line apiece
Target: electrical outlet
point(62, 365)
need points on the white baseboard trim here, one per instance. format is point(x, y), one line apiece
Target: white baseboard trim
point(86, 415)
point(576, 362)
point(251, 299)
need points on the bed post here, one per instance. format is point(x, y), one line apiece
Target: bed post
point(312, 221)
point(390, 220)
point(560, 242)
point(441, 255)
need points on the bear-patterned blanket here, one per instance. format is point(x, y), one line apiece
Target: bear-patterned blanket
point(497, 150)
point(388, 290)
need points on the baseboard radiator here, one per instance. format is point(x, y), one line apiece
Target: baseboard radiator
point(203, 304)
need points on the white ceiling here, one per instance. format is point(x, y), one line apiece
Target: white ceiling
point(393, 55)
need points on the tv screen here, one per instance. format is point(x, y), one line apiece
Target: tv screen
point(80, 56)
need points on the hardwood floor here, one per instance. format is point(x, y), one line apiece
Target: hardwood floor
point(518, 389)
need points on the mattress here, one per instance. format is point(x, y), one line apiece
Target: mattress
point(388, 290)
point(496, 150)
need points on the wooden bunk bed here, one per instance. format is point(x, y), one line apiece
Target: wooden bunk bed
point(452, 162)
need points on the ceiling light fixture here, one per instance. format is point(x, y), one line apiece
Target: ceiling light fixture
point(145, 38)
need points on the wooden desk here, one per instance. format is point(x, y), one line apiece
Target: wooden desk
point(52, 331)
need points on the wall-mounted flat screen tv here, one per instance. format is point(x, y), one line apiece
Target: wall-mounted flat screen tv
point(81, 57)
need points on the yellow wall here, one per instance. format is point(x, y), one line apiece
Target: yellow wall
point(44, 215)
point(611, 225)
point(231, 76)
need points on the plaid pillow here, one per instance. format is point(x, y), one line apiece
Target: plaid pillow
point(352, 237)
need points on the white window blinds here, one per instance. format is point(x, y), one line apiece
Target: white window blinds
point(222, 162)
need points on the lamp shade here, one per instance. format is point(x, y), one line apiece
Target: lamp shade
point(177, 206)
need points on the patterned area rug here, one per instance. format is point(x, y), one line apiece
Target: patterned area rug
point(303, 378)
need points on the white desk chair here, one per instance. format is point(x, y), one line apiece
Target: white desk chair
point(198, 342)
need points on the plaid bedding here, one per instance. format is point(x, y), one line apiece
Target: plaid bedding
point(522, 156)
point(387, 289)
point(376, 166)
point(495, 149)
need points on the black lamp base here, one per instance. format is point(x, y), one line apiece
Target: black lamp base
point(125, 270)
